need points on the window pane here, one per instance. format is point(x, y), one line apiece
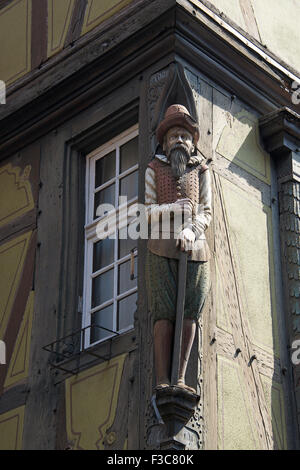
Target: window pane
point(129, 154)
point(129, 185)
point(105, 169)
point(103, 253)
point(126, 245)
point(103, 318)
point(103, 288)
point(105, 196)
point(125, 283)
point(126, 309)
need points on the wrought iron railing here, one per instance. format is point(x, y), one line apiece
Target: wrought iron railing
point(66, 354)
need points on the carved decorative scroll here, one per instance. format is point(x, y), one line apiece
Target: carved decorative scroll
point(281, 134)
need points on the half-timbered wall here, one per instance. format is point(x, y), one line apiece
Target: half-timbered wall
point(85, 72)
point(43, 29)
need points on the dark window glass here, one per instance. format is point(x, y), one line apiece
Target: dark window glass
point(129, 186)
point(103, 318)
point(126, 245)
point(126, 309)
point(105, 196)
point(105, 169)
point(103, 253)
point(103, 288)
point(129, 154)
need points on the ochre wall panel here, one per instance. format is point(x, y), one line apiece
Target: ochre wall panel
point(91, 402)
point(19, 363)
point(59, 17)
point(239, 143)
point(273, 23)
point(97, 12)
point(11, 429)
point(278, 24)
point(12, 257)
point(15, 40)
point(15, 193)
point(236, 430)
point(232, 9)
point(250, 227)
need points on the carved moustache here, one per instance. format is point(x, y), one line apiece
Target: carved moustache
point(179, 156)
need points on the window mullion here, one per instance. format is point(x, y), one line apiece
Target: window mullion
point(104, 186)
point(101, 306)
point(127, 293)
point(130, 170)
point(103, 270)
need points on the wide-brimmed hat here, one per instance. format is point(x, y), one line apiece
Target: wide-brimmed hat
point(177, 115)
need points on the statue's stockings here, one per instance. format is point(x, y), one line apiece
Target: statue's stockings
point(163, 349)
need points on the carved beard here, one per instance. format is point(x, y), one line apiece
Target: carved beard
point(179, 157)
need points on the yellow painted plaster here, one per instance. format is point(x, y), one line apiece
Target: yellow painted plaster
point(11, 429)
point(59, 17)
point(236, 426)
point(274, 399)
point(250, 225)
point(15, 40)
point(278, 24)
point(232, 9)
point(15, 193)
point(19, 363)
point(12, 258)
point(239, 143)
point(99, 11)
point(91, 403)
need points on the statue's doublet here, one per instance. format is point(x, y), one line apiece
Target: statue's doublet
point(169, 190)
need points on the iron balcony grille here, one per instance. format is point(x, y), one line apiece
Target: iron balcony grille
point(66, 354)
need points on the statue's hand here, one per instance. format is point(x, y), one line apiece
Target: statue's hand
point(186, 240)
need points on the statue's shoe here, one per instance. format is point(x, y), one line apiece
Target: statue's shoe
point(186, 387)
point(163, 385)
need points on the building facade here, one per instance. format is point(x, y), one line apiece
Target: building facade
point(84, 84)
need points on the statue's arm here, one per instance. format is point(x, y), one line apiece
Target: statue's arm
point(203, 211)
point(150, 187)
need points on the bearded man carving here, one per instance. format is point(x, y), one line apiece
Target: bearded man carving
point(177, 184)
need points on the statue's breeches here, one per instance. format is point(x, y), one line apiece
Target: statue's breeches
point(161, 276)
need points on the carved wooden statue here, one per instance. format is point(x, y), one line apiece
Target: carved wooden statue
point(177, 184)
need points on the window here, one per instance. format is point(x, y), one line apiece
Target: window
point(110, 276)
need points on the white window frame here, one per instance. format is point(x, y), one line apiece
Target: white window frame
point(91, 235)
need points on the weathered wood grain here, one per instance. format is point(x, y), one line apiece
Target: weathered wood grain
point(41, 403)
